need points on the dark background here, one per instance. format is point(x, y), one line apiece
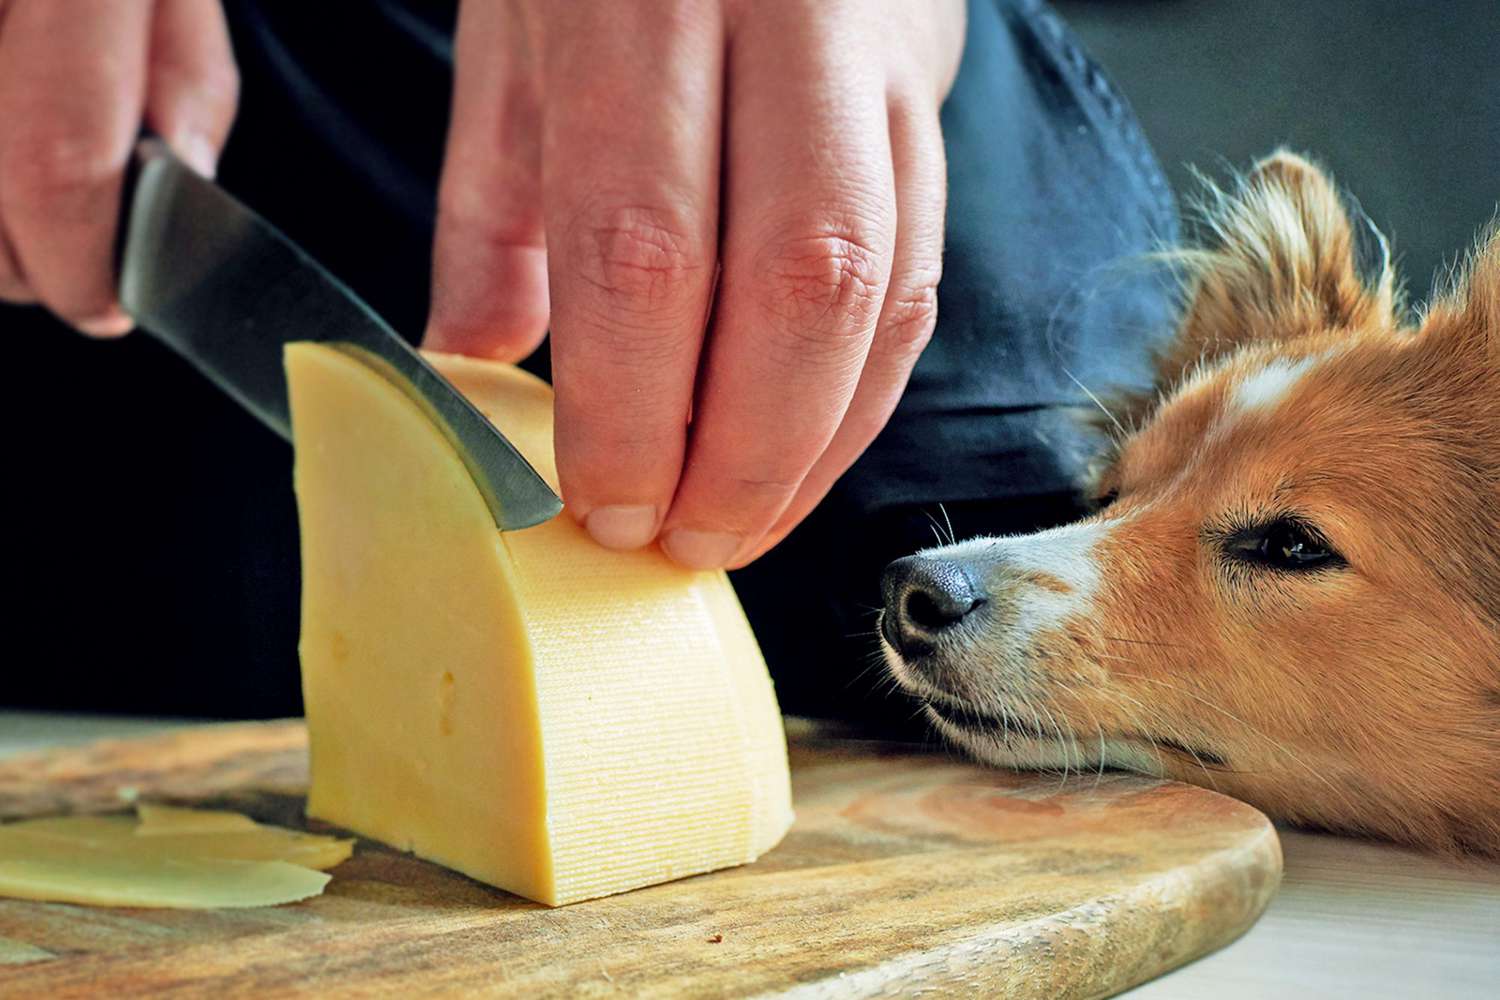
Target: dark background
point(1399, 99)
point(152, 522)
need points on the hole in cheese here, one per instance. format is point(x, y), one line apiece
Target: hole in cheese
point(602, 720)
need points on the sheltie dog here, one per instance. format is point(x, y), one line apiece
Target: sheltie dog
point(1290, 590)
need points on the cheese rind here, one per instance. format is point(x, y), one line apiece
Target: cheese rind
point(528, 708)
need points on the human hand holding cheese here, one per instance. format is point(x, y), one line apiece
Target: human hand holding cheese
point(581, 189)
point(610, 164)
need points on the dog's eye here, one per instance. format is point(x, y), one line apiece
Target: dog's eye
point(1284, 544)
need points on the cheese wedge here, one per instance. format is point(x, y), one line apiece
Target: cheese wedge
point(527, 708)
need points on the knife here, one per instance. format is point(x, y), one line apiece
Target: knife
point(225, 289)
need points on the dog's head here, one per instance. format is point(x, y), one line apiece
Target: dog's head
point(1291, 591)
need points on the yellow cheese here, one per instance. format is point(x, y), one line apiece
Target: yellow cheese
point(189, 859)
point(527, 708)
point(163, 820)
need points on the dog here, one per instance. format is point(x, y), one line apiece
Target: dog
point(1289, 590)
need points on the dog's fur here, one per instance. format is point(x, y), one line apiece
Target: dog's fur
point(1165, 633)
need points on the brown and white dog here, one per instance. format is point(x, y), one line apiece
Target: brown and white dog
point(1291, 591)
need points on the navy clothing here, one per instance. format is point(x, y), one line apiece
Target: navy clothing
point(1054, 201)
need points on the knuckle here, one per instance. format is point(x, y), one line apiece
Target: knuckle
point(640, 258)
point(768, 486)
point(745, 505)
point(493, 227)
point(596, 422)
point(911, 314)
point(822, 283)
point(56, 159)
point(763, 481)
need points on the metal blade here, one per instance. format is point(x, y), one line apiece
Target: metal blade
point(226, 290)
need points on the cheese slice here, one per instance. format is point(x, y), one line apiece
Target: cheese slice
point(188, 859)
point(62, 875)
point(527, 708)
point(162, 820)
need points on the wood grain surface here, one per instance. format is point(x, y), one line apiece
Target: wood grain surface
point(905, 874)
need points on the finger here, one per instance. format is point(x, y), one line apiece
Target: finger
point(13, 287)
point(907, 317)
point(72, 77)
point(489, 270)
point(192, 87)
point(808, 235)
point(630, 173)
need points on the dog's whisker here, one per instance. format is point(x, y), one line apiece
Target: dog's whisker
point(952, 538)
point(1099, 775)
point(1062, 740)
point(1156, 720)
point(1147, 642)
point(871, 664)
point(1144, 729)
point(1119, 427)
point(1144, 726)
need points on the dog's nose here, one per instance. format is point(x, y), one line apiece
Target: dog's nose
point(923, 598)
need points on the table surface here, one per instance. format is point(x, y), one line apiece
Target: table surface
point(1352, 918)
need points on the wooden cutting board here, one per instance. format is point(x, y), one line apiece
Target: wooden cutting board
point(906, 873)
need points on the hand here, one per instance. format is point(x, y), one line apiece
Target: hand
point(627, 154)
point(77, 80)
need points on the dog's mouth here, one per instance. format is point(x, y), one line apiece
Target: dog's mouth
point(963, 717)
point(967, 719)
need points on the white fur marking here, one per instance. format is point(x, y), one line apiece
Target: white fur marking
point(1264, 389)
point(1066, 554)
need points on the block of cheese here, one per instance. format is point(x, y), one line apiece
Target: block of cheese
point(525, 707)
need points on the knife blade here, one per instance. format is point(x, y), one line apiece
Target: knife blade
point(224, 288)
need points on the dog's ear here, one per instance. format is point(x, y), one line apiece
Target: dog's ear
point(1280, 255)
point(1284, 257)
point(1464, 321)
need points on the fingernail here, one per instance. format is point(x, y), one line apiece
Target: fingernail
point(198, 152)
point(701, 549)
point(110, 324)
point(621, 526)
